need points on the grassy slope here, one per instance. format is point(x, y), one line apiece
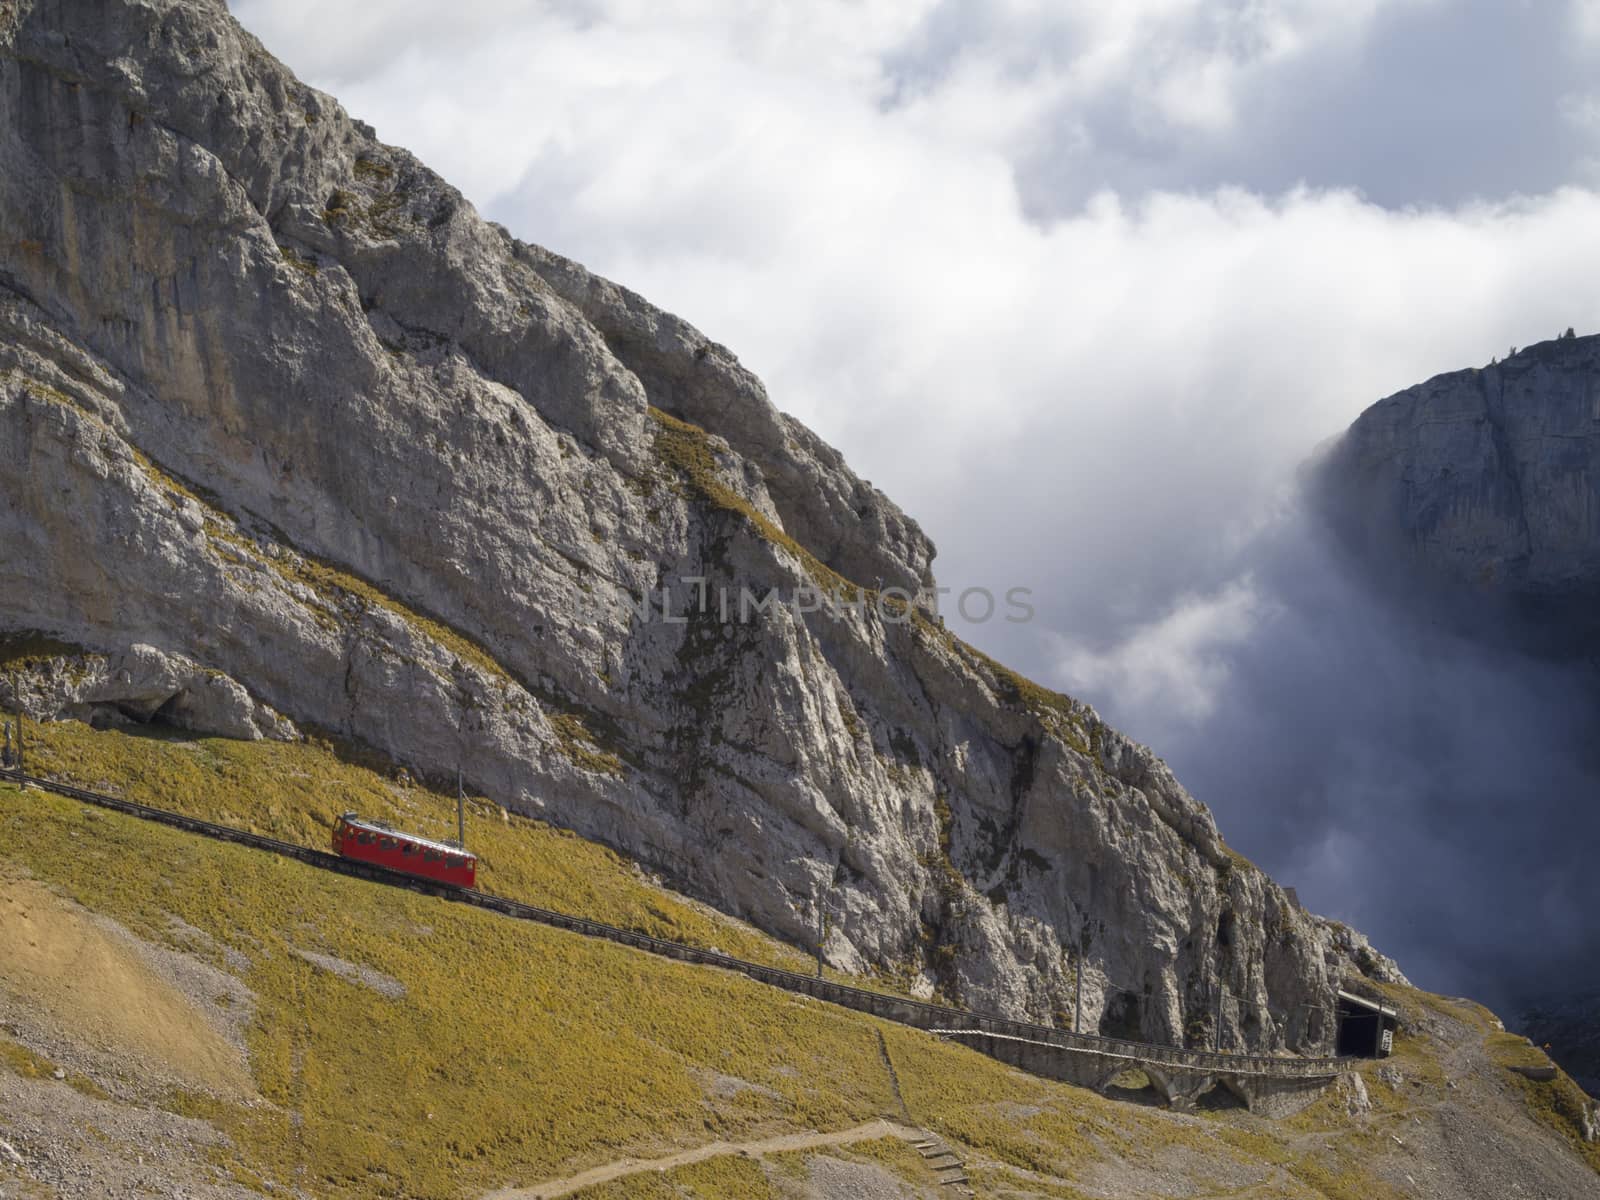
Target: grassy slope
point(520, 1053)
point(1557, 1104)
point(294, 792)
point(516, 1049)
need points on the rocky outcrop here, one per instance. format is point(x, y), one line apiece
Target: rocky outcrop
point(1486, 484)
point(141, 684)
point(1346, 946)
point(278, 408)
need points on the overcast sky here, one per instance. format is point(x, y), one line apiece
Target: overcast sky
point(1081, 285)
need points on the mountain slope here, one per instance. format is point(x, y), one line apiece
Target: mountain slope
point(377, 1068)
point(291, 439)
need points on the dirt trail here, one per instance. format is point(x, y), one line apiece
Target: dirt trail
point(871, 1131)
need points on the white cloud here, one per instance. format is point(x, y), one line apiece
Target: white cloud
point(1177, 664)
point(1584, 16)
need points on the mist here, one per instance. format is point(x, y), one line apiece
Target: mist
point(1426, 785)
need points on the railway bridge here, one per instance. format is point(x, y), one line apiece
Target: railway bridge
point(1181, 1079)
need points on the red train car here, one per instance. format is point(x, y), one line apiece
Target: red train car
point(374, 843)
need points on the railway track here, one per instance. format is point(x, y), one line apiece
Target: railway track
point(905, 1011)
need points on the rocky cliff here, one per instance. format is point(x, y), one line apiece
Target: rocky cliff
point(291, 439)
point(1473, 500)
point(1485, 484)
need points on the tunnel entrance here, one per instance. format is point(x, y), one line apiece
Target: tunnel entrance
point(1366, 1028)
point(1123, 1018)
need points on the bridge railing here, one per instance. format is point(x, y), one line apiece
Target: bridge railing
point(900, 1009)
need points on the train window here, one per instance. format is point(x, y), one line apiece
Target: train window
point(386, 843)
point(364, 839)
point(407, 848)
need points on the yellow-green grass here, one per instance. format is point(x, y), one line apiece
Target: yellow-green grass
point(1028, 1133)
point(517, 1051)
point(295, 790)
point(1512, 1051)
point(1018, 1119)
point(892, 1153)
point(26, 651)
point(1407, 1000)
point(1024, 1132)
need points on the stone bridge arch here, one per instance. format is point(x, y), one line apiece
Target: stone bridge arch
point(1185, 1089)
point(1231, 1088)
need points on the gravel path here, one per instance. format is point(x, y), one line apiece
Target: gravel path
point(622, 1168)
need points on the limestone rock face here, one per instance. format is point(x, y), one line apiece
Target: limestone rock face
point(848, 524)
point(1346, 945)
point(290, 436)
point(1486, 480)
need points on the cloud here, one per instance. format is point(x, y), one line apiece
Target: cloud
point(1179, 663)
point(1081, 285)
point(1420, 785)
point(1179, 64)
point(1584, 18)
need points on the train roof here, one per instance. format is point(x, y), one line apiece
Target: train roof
point(414, 839)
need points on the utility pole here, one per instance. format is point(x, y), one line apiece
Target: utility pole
point(1077, 1000)
point(16, 696)
point(461, 811)
point(1217, 1043)
point(820, 932)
